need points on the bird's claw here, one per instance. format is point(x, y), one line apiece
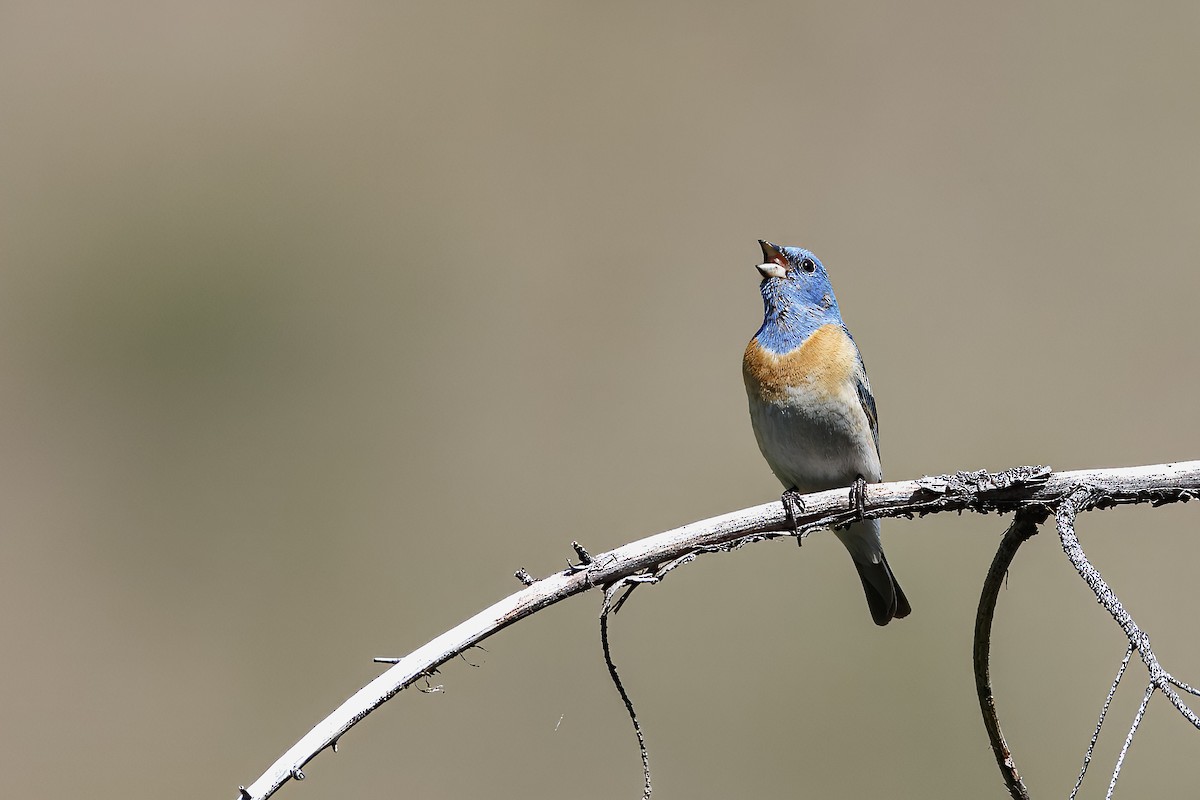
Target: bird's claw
point(858, 497)
point(793, 506)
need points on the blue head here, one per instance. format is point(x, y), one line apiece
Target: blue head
point(797, 297)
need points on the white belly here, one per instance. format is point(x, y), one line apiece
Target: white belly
point(814, 442)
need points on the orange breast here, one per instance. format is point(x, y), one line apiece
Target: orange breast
point(823, 365)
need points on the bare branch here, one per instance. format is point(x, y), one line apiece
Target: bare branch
point(1022, 529)
point(607, 607)
point(1012, 490)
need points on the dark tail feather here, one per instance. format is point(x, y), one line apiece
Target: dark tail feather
point(885, 598)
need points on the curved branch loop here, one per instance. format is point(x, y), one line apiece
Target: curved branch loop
point(1023, 527)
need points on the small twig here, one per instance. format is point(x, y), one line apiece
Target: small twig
point(428, 688)
point(634, 581)
point(1112, 690)
point(1080, 499)
point(1076, 501)
point(629, 587)
point(1137, 720)
point(468, 661)
point(1023, 527)
point(584, 556)
point(616, 679)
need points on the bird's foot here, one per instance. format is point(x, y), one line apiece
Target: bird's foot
point(793, 506)
point(858, 496)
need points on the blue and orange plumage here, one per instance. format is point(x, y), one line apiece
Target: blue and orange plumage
point(811, 406)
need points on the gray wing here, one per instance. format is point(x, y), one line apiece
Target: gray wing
point(867, 400)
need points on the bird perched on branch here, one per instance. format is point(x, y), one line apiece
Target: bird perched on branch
point(812, 409)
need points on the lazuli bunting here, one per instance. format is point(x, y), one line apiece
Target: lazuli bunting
point(812, 409)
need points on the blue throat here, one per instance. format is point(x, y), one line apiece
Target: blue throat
point(789, 320)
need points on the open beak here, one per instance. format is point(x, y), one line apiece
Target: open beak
point(774, 261)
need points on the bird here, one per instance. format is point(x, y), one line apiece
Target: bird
point(812, 409)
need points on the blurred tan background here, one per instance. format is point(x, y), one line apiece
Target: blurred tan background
point(319, 320)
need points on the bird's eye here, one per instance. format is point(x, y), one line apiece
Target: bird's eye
point(807, 265)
